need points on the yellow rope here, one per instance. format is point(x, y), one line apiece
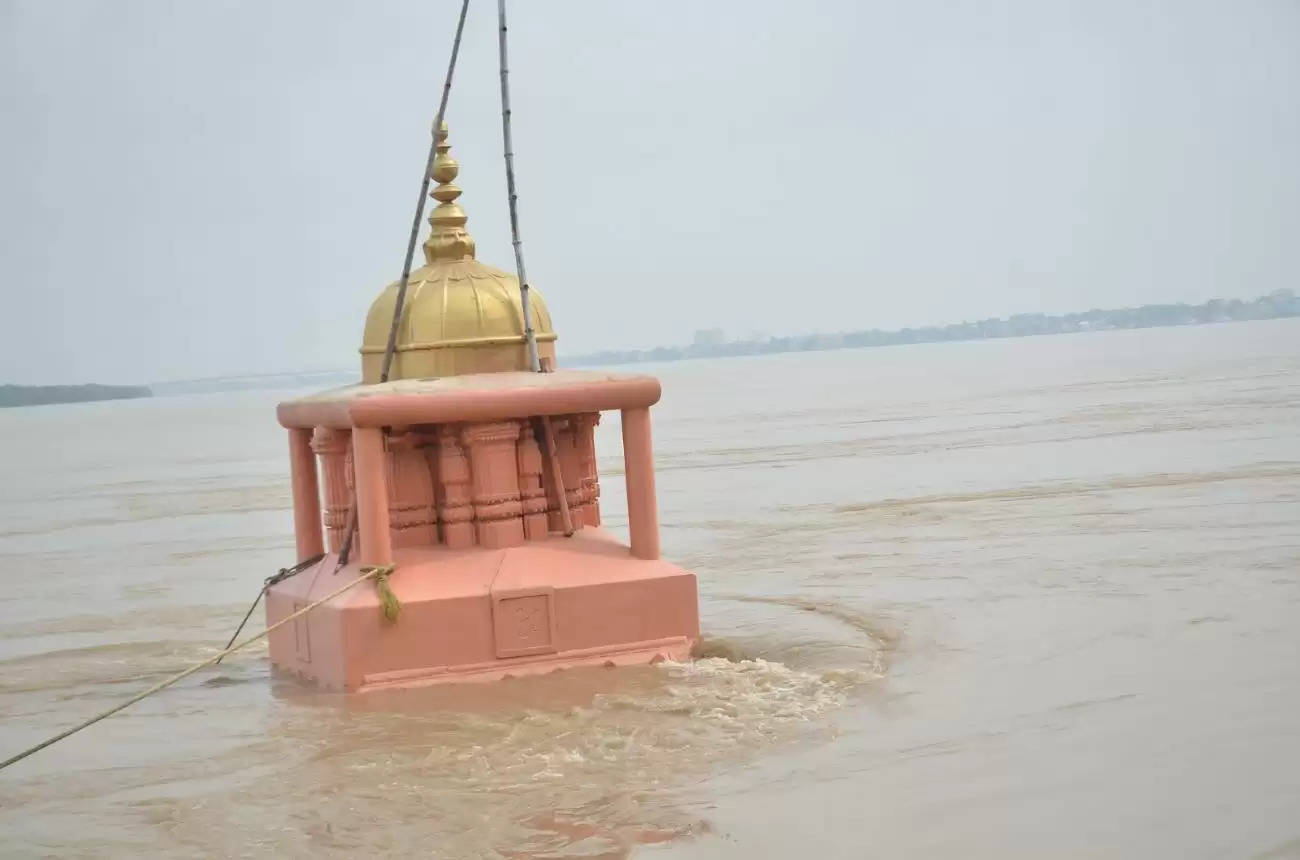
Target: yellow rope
point(379, 574)
point(392, 607)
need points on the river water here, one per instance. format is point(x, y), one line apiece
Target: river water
point(995, 599)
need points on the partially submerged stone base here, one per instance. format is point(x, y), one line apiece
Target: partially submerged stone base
point(451, 486)
point(486, 614)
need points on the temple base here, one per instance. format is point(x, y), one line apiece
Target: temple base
point(485, 614)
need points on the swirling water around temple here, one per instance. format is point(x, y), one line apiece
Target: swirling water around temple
point(1020, 598)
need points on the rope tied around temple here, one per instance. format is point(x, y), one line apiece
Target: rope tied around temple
point(378, 573)
point(388, 602)
point(283, 574)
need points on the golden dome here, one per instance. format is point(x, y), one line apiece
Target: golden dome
point(460, 315)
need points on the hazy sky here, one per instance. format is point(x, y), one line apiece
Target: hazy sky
point(204, 188)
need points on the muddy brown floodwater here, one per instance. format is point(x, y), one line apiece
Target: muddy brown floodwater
point(1020, 598)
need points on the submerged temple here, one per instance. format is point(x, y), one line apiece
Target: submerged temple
point(500, 561)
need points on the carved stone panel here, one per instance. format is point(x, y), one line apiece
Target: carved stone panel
point(494, 470)
point(523, 622)
point(585, 443)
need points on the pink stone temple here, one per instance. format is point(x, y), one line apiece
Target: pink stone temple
point(444, 472)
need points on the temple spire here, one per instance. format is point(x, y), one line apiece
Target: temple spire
point(449, 240)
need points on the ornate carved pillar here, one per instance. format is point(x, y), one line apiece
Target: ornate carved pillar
point(335, 451)
point(498, 513)
point(455, 512)
point(531, 491)
point(585, 442)
point(570, 470)
point(411, 513)
point(426, 443)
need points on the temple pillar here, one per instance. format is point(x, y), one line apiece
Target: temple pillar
point(306, 495)
point(585, 442)
point(455, 511)
point(532, 493)
point(571, 467)
point(570, 474)
point(372, 495)
point(332, 446)
point(638, 467)
point(411, 514)
point(494, 473)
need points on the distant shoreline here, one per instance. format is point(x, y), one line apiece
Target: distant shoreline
point(710, 343)
point(45, 395)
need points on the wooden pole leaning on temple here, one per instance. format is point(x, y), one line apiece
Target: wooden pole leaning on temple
point(556, 478)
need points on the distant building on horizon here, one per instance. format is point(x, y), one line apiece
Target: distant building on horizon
point(709, 337)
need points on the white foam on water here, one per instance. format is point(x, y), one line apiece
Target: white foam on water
point(600, 772)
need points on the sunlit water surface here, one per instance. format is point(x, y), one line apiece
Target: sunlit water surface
point(1008, 598)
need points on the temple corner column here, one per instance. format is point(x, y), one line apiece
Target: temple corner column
point(307, 529)
point(639, 471)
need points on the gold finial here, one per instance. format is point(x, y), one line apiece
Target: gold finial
point(449, 239)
